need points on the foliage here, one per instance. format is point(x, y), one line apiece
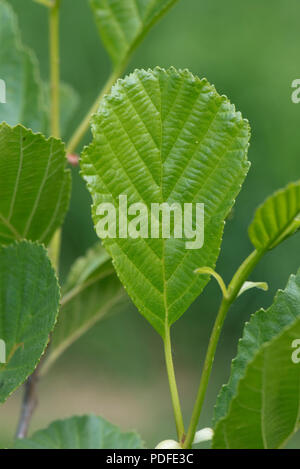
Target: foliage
point(163, 138)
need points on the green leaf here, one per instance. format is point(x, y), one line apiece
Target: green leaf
point(85, 432)
point(92, 291)
point(249, 285)
point(263, 326)
point(34, 185)
point(166, 136)
point(123, 24)
point(265, 412)
point(19, 70)
point(29, 300)
point(27, 97)
point(259, 408)
point(277, 218)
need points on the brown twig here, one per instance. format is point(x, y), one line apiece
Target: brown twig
point(28, 405)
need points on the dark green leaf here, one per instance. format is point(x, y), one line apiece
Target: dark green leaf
point(29, 301)
point(86, 432)
point(259, 408)
point(34, 185)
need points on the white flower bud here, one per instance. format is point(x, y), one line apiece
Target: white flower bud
point(205, 434)
point(168, 444)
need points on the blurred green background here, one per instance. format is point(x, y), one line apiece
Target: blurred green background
point(250, 51)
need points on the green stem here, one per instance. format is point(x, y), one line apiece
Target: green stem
point(235, 285)
point(173, 386)
point(54, 67)
point(54, 247)
point(84, 125)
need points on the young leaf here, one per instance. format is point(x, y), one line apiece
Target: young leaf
point(85, 432)
point(277, 218)
point(29, 300)
point(264, 414)
point(262, 327)
point(27, 100)
point(166, 136)
point(250, 285)
point(34, 185)
point(123, 24)
point(92, 290)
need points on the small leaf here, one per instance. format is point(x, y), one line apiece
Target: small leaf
point(123, 24)
point(85, 432)
point(92, 291)
point(260, 336)
point(166, 136)
point(34, 185)
point(29, 300)
point(277, 218)
point(249, 285)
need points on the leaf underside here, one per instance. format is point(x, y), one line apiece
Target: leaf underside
point(166, 136)
point(91, 292)
point(122, 24)
point(85, 432)
point(259, 408)
point(34, 185)
point(277, 218)
point(29, 300)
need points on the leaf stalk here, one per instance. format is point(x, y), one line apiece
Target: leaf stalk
point(173, 386)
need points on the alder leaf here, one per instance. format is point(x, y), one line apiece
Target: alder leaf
point(166, 136)
point(34, 185)
point(277, 218)
point(91, 292)
point(29, 301)
point(84, 432)
point(259, 407)
point(123, 24)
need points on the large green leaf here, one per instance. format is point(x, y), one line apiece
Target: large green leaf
point(92, 290)
point(263, 327)
point(264, 414)
point(85, 432)
point(34, 185)
point(277, 218)
point(26, 100)
point(166, 136)
point(29, 301)
point(124, 23)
